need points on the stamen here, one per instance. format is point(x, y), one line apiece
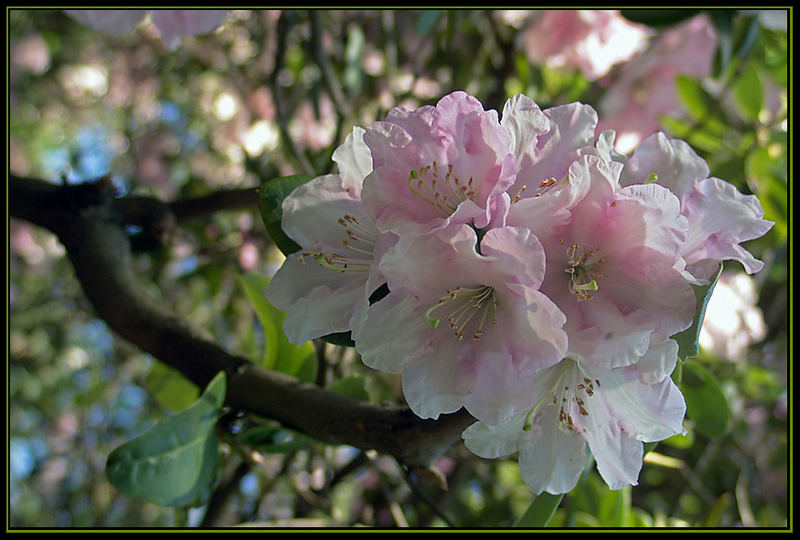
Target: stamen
point(359, 242)
point(545, 185)
point(444, 193)
point(460, 307)
point(565, 395)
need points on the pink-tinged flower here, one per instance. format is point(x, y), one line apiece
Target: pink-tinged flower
point(437, 165)
point(610, 411)
point(465, 326)
point(733, 320)
point(591, 40)
point(645, 90)
point(719, 216)
point(171, 23)
point(545, 143)
point(325, 286)
point(611, 265)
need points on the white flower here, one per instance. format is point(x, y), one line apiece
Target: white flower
point(610, 411)
point(324, 287)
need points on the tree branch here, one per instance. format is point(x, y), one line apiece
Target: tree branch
point(229, 199)
point(83, 218)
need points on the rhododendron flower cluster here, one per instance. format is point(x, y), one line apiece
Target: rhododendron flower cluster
point(592, 40)
point(520, 268)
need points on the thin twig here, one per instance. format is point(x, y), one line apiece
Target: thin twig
point(219, 498)
point(411, 480)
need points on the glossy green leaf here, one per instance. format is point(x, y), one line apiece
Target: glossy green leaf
point(540, 511)
point(270, 199)
point(170, 388)
point(353, 386)
point(706, 405)
point(688, 339)
point(175, 462)
point(748, 93)
point(279, 354)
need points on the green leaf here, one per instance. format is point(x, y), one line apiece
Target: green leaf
point(615, 507)
point(170, 388)
point(274, 440)
point(175, 462)
point(353, 386)
point(279, 354)
point(540, 511)
point(705, 403)
point(688, 339)
point(681, 441)
point(692, 94)
point(649, 446)
point(698, 138)
point(270, 199)
point(748, 93)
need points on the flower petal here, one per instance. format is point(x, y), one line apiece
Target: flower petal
point(312, 211)
point(494, 441)
point(440, 384)
point(720, 217)
point(554, 460)
point(394, 333)
point(675, 165)
point(622, 413)
point(659, 361)
point(354, 161)
point(571, 129)
point(317, 300)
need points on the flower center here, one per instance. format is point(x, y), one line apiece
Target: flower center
point(441, 189)
point(568, 393)
point(359, 246)
point(467, 310)
point(584, 269)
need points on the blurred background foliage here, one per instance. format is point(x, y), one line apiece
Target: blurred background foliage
point(272, 93)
